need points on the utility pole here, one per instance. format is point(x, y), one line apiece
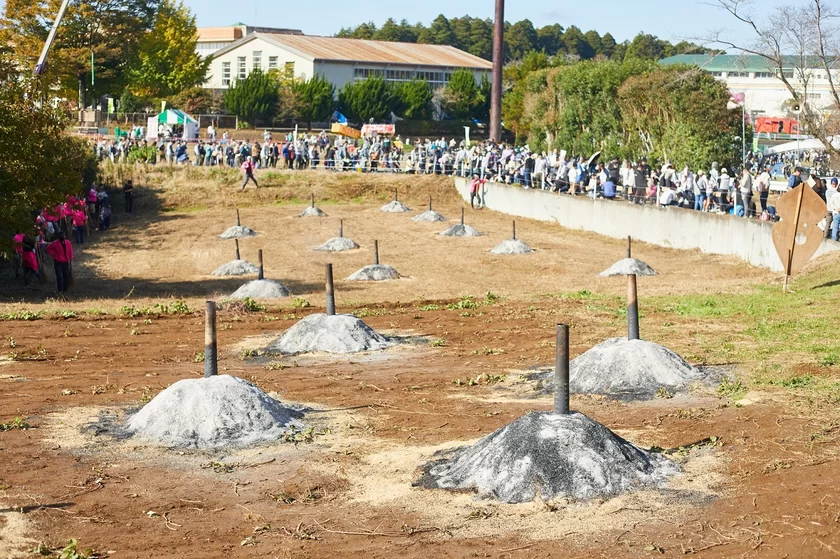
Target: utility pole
point(498, 64)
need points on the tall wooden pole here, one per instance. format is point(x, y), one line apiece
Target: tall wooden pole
point(498, 64)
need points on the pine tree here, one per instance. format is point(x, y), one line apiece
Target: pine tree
point(254, 98)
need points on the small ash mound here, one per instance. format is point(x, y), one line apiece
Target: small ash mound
point(338, 244)
point(460, 230)
point(628, 267)
point(238, 232)
point(341, 333)
point(261, 289)
point(375, 272)
point(512, 246)
point(627, 370)
point(235, 268)
point(551, 456)
point(312, 211)
point(216, 412)
point(428, 216)
point(395, 207)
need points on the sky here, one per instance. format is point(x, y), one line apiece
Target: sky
point(672, 20)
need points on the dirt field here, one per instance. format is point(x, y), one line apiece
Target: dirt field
point(762, 482)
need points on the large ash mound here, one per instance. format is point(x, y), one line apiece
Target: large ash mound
point(312, 211)
point(375, 272)
point(235, 268)
point(238, 232)
point(395, 207)
point(628, 369)
point(261, 289)
point(341, 333)
point(215, 412)
point(551, 456)
point(512, 246)
point(460, 230)
point(338, 244)
point(428, 216)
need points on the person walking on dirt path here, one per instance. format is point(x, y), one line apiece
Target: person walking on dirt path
point(62, 252)
point(475, 190)
point(128, 191)
point(248, 170)
point(30, 261)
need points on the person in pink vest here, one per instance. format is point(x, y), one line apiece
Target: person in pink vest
point(62, 253)
point(248, 170)
point(30, 262)
point(91, 205)
point(79, 220)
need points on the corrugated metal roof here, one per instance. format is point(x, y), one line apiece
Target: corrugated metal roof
point(380, 52)
point(738, 62)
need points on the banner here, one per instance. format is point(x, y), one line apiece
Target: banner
point(378, 129)
point(345, 130)
point(467, 135)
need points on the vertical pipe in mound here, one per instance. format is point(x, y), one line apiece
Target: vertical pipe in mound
point(330, 291)
point(262, 272)
point(561, 371)
point(211, 367)
point(376, 252)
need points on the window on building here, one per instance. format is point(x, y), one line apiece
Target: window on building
point(815, 96)
point(256, 59)
point(225, 74)
point(272, 62)
point(765, 75)
point(289, 68)
point(787, 73)
point(241, 68)
point(738, 75)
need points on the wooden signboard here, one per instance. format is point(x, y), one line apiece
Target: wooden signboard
point(797, 237)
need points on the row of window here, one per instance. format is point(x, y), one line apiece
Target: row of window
point(360, 74)
point(256, 64)
point(787, 73)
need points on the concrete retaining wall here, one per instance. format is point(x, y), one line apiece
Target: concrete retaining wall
point(748, 239)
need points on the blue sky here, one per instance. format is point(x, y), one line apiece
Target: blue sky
point(672, 20)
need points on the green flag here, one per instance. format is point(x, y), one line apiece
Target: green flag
point(92, 73)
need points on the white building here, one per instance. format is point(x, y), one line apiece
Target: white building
point(340, 60)
point(213, 39)
point(755, 77)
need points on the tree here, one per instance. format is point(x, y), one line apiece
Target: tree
point(254, 98)
point(793, 41)
point(516, 84)
point(576, 45)
point(389, 31)
point(645, 47)
point(594, 40)
point(608, 45)
point(521, 39)
point(195, 101)
point(481, 38)
point(461, 31)
point(461, 97)
point(111, 30)
point(167, 62)
point(41, 163)
point(315, 99)
point(438, 33)
point(413, 100)
point(549, 39)
point(362, 101)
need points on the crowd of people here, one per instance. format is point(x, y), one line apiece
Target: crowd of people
point(52, 229)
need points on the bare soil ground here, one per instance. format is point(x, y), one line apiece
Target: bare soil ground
point(762, 483)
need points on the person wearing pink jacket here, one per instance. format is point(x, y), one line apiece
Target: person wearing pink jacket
point(79, 219)
point(62, 253)
point(248, 170)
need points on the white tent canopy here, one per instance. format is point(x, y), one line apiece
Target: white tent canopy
point(813, 143)
point(174, 117)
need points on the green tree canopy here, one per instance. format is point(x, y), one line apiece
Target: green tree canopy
point(254, 98)
point(315, 99)
point(413, 100)
point(461, 98)
point(521, 39)
point(167, 62)
point(372, 98)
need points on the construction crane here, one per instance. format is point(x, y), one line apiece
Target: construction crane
point(40, 67)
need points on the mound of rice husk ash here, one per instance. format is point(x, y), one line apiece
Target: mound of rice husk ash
point(340, 333)
point(548, 455)
point(629, 370)
point(235, 268)
point(238, 232)
point(261, 289)
point(395, 207)
point(214, 412)
point(460, 230)
point(338, 244)
point(512, 246)
point(375, 272)
point(429, 216)
point(312, 211)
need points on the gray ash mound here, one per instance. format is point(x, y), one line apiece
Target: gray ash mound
point(628, 267)
point(338, 244)
point(395, 207)
point(628, 370)
point(235, 268)
point(238, 232)
point(341, 333)
point(551, 456)
point(261, 289)
point(460, 230)
point(312, 211)
point(429, 216)
point(215, 412)
point(375, 272)
point(512, 246)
